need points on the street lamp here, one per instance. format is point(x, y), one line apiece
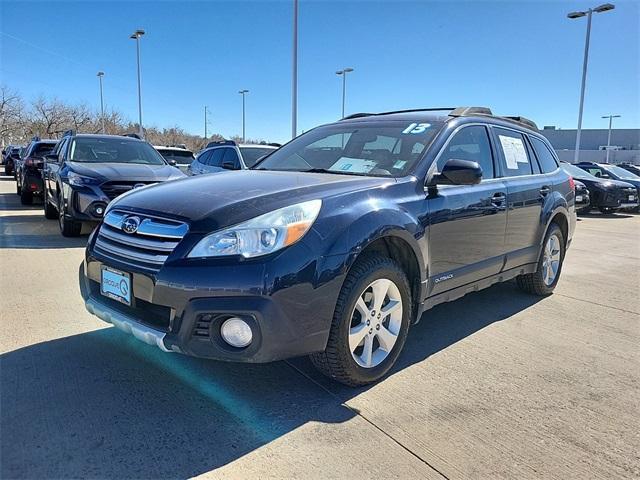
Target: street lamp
point(243, 92)
point(136, 36)
point(610, 117)
point(573, 15)
point(343, 73)
point(100, 75)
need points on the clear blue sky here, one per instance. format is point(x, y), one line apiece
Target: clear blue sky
point(516, 57)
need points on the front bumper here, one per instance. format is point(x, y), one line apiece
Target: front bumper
point(181, 308)
point(81, 203)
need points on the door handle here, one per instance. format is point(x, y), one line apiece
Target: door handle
point(498, 199)
point(544, 191)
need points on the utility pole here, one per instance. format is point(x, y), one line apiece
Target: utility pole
point(100, 75)
point(294, 76)
point(205, 122)
point(243, 92)
point(136, 36)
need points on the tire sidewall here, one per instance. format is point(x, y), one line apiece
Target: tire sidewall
point(383, 270)
point(553, 230)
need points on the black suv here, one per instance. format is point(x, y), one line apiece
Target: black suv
point(608, 171)
point(606, 195)
point(11, 156)
point(28, 169)
point(85, 172)
point(336, 242)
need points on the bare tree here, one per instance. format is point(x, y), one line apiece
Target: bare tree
point(11, 115)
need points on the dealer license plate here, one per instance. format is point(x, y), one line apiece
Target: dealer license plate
point(116, 285)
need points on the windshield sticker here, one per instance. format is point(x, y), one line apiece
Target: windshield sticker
point(514, 151)
point(416, 128)
point(358, 165)
point(399, 164)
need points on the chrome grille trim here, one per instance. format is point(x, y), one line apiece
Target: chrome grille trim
point(149, 226)
point(147, 248)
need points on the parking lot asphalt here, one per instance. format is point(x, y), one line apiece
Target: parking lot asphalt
point(496, 385)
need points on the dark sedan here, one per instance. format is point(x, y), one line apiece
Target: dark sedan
point(608, 171)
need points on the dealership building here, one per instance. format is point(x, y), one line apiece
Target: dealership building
point(625, 144)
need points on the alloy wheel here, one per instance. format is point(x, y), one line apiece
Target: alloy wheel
point(551, 260)
point(375, 323)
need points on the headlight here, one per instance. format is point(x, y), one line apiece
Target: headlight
point(80, 180)
point(261, 235)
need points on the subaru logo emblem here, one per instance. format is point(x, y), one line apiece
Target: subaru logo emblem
point(130, 224)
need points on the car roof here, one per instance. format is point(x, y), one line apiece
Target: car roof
point(257, 145)
point(104, 135)
point(176, 149)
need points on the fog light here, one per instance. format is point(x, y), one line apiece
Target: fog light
point(236, 332)
point(99, 210)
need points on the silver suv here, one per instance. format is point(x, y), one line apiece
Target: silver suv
point(227, 155)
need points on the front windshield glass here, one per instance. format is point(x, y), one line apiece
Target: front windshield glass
point(182, 157)
point(576, 172)
point(114, 150)
point(385, 149)
point(622, 173)
point(251, 155)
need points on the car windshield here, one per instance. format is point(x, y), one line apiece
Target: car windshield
point(251, 155)
point(385, 149)
point(622, 173)
point(183, 157)
point(114, 150)
point(576, 171)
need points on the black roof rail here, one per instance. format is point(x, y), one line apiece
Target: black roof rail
point(132, 135)
point(409, 110)
point(68, 133)
point(523, 121)
point(35, 138)
point(217, 143)
point(464, 111)
point(274, 144)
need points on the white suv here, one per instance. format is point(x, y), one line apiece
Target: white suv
point(227, 155)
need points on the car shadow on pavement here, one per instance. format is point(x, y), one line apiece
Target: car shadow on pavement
point(34, 232)
point(102, 404)
point(11, 202)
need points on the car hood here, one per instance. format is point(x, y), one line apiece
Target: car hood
point(125, 171)
point(604, 184)
point(227, 198)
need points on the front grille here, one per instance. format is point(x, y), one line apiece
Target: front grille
point(626, 192)
point(147, 248)
point(117, 188)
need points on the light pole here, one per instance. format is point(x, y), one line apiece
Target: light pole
point(243, 92)
point(136, 36)
point(610, 117)
point(599, 9)
point(294, 75)
point(100, 75)
point(205, 122)
point(343, 73)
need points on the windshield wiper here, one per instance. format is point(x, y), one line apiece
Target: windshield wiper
point(336, 172)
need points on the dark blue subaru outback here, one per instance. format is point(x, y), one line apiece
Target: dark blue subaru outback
point(335, 243)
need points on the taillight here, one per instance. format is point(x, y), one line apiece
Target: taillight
point(29, 162)
point(572, 184)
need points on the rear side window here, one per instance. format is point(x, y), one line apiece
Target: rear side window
point(515, 159)
point(203, 157)
point(231, 157)
point(42, 149)
point(470, 143)
point(545, 157)
point(215, 160)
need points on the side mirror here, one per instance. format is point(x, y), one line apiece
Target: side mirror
point(459, 172)
point(172, 162)
point(229, 165)
point(51, 158)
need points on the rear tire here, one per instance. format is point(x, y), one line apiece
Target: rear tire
point(607, 210)
point(26, 197)
point(50, 212)
point(362, 347)
point(543, 281)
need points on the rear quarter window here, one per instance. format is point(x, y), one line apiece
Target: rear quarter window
point(545, 157)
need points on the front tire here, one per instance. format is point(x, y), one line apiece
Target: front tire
point(544, 280)
point(68, 228)
point(370, 323)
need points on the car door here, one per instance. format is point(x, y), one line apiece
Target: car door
point(214, 161)
point(467, 222)
point(527, 189)
point(51, 170)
